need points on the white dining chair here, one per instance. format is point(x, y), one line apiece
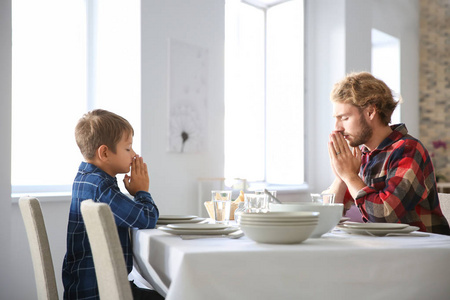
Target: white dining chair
point(41, 256)
point(110, 267)
point(444, 201)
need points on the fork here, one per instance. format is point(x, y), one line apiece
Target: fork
point(400, 234)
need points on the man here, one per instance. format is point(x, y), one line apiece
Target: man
point(391, 178)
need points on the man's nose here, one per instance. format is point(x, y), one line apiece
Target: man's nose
point(338, 126)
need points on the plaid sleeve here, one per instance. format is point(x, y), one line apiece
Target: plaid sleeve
point(140, 212)
point(348, 200)
point(402, 183)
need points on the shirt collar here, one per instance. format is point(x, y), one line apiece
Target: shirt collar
point(86, 167)
point(398, 132)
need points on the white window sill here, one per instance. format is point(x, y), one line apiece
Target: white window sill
point(280, 188)
point(44, 197)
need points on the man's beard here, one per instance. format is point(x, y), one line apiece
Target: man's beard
point(364, 135)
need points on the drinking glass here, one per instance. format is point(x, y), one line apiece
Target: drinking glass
point(269, 199)
point(255, 203)
point(323, 198)
point(222, 206)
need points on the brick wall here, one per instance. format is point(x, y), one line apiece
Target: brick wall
point(434, 79)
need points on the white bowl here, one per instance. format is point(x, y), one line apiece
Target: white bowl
point(300, 223)
point(281, 216)
point(278, 234)
point(330, 214)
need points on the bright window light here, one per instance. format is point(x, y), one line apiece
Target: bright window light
point(264, 92)
point(48, 90)
point(67, 59)
point(386, 64)
point(244, 94)
point(284, 94)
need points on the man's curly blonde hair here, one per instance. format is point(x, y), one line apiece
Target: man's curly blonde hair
point(363, 89)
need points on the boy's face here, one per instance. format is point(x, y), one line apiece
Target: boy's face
point(120, 162)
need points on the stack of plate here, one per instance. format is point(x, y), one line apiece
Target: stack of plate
point(279, 227)
point(175, 219)
point(342, 220)
point(198, 229)
point(377, 229)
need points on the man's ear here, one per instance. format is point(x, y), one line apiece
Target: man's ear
point(371, 112)
point(102, 152)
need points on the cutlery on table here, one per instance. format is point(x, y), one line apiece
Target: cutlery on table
point(233, 235)
point(275, 199)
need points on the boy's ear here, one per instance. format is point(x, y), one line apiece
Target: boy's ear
point(102, 152)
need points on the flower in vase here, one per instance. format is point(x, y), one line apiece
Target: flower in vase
point(436, 145)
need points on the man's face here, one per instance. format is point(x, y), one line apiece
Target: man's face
point(352, 124)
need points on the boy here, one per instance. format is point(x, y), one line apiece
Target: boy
point(105, 141)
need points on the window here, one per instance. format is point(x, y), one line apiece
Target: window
point(264, 92)
point(386, 64)
point(68, 57)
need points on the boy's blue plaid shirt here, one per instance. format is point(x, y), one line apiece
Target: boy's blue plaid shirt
point(141, 212)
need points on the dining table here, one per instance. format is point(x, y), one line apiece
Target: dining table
point(338, 265)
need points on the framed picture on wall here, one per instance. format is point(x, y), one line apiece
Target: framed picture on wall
point(188, 87)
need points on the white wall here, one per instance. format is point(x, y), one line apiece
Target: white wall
point(5, 150)
point(325, 64)
point(400, 18)
point(337, 43)
point(173, 176)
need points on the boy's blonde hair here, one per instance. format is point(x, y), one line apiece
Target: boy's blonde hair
point(363, 89)
point(100, 127)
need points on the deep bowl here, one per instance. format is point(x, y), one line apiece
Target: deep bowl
point(268, 234)
point(330, 214)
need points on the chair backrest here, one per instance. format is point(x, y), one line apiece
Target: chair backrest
point(444, 201)
point(41, 256)
point(109, 262)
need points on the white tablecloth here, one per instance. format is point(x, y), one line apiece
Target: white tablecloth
point(336, 266)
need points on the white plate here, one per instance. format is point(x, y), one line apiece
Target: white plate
point(184, 226)
point(176, 217)
point(377, 232)
point(199, 232)
point(375, 225)
point(174, 221)
point(275, 221)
